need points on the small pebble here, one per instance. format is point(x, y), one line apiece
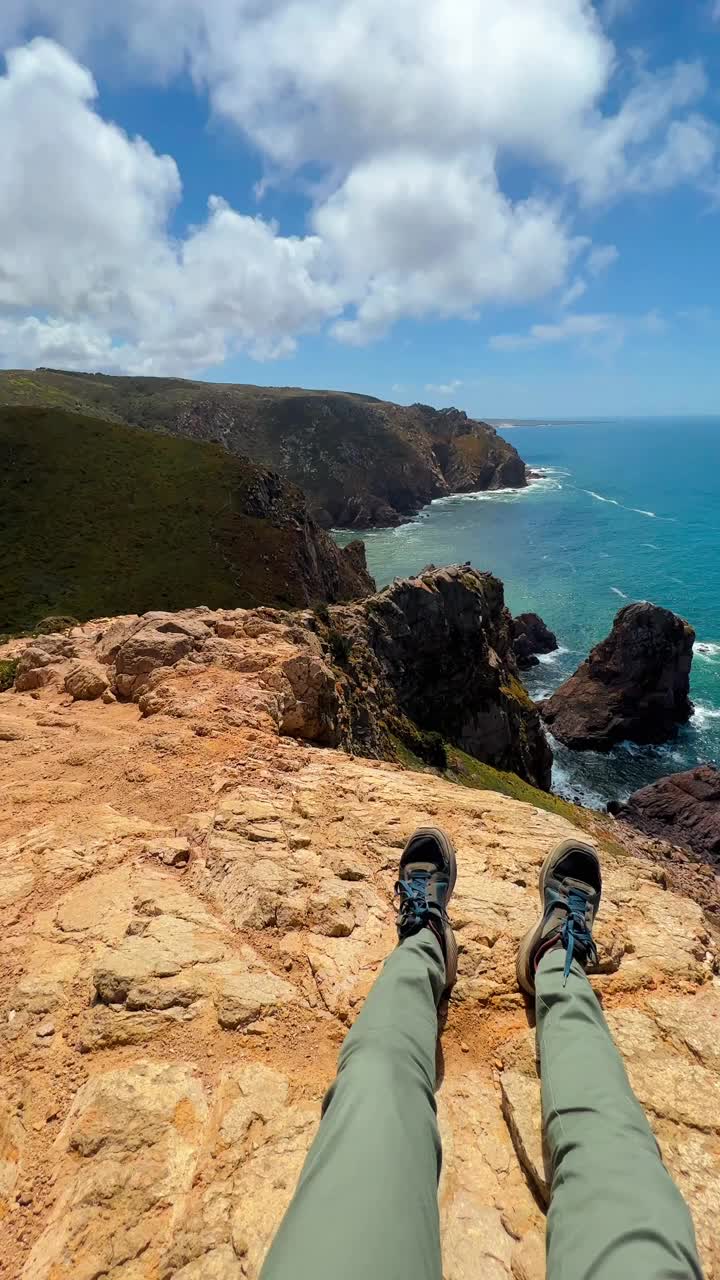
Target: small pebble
point(47, 1029)
point(465, 1047)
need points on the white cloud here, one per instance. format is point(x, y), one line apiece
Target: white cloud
point(601, 257)
point(444, 389)
point(414, 236)
point(84, 243)
point(572, 326)
point(400, 113)
point(573, 294)
point(611, 330)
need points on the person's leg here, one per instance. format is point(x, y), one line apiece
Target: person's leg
point(614, 1211)
point(366, 1206)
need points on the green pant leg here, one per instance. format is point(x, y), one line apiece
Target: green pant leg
point(366, 1203)
point(615, 1213)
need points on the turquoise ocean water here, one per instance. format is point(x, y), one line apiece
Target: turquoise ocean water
point(627, 510)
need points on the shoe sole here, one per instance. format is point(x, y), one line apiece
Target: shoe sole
point(448, 848)
point(533, 935)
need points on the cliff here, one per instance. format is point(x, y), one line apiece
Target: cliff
point(195, 902)
point(97, 517)
point(360, 461)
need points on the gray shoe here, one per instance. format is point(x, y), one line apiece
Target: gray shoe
point(428, 871)
point(570, 891)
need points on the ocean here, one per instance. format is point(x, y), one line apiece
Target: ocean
point(626, 510)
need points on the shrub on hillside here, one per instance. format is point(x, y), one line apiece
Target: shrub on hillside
point(8, 671)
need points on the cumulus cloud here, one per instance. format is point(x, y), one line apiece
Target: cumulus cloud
point(84, 242)
point(401, 114)
point(414, 235)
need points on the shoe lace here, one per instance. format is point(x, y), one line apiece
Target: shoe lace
point(575, 933)
point(414, 906)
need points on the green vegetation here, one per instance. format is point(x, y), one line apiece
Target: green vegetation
point(340, 647)
point(51, 626)
point(467, 772)
point(341, 449)
point(98, 518)
point(8, 671)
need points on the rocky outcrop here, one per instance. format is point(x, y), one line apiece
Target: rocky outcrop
point(530, 637)
point(437, 651)
point(427, 661)
point(683, 808)
point(634, 686)
point(360, 461)
point(193, 907)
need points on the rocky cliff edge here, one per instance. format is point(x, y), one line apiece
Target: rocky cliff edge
point(195, 903)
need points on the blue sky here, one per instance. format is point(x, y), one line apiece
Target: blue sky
point(510, 208)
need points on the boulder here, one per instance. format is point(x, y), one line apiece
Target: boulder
point(86, 681)
point(683, 808)
point(38, 665)
point(162, 641)
point(530, 637)
point(634, 686)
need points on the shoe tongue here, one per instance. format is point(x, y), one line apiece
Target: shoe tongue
point(423, 867)
point(581, 885)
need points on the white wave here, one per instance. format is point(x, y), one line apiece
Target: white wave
point(547, 659)
point(592, 494)
point(619, 593)
point(569, 787)
point(707, 649)
point(704, 715)
point(639, 511)
point(651, 545)
point(679, 581)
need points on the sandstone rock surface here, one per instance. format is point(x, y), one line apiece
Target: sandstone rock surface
point(684, 808)
point(167, 1030)
point(634, 686)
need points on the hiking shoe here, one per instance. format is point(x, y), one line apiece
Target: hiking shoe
point(428, 871)
point(570, 890)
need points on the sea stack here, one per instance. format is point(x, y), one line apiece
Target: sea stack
point(634, 686)
point(530, 637)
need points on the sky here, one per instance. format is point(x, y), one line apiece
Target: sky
point(509, 207)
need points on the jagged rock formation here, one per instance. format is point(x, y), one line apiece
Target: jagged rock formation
point(194, 905)
point(530, 637)
point(683, 808)
point(634, 686)
point(360, 461)
point(427, 660)
point(437, 650)
point(101, 518)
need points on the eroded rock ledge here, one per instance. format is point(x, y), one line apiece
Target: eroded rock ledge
point(193, 909)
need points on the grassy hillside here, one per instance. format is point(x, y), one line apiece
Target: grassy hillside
point(360, 461)
point(99, 518)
